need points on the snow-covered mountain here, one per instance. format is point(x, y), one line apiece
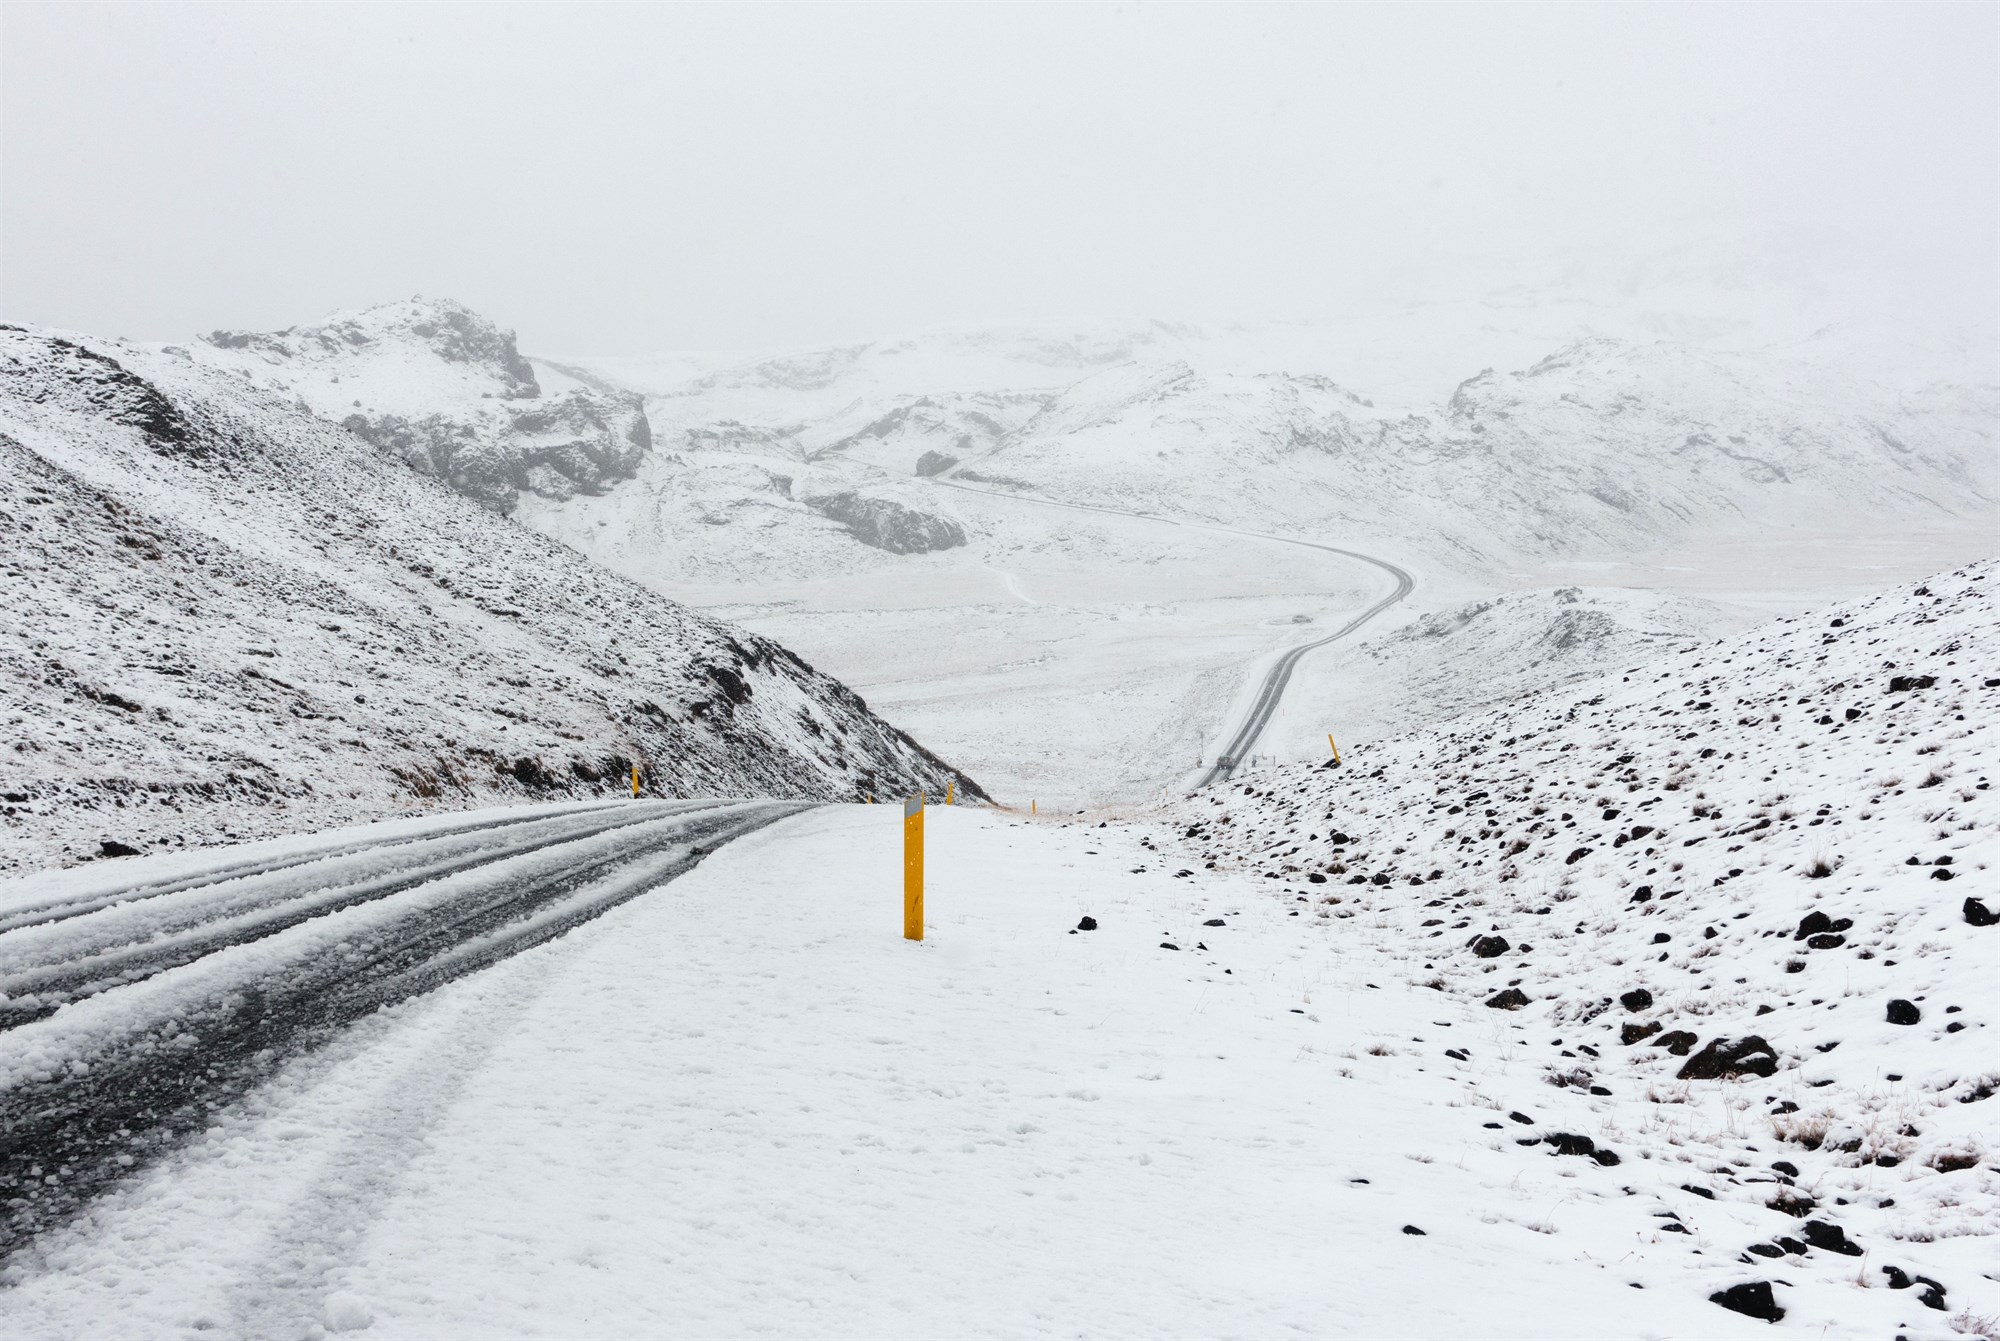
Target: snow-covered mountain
point(1601, 447)
point(1735, 905)
point(441, 388)
point(224, 616)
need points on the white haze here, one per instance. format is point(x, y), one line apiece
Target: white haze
point(625, 178)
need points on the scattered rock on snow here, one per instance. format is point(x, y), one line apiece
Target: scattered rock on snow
point(1511, 999)
point(1979, 915)
point(1752, 1298)
point(1487, 947)
point(1903, 1012)
point(1726, 1057)
point(1829, 1237)
point(1637, 999)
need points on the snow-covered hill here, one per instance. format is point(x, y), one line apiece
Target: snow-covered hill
point(224, 616)
point(1736, 906)
point(1602, 447)
point(437, 386)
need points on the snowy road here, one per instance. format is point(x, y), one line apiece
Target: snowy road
point(1271, 688)
point(136, 1001)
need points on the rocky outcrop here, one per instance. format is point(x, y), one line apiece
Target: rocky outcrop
point(445, 391)
point(886, 524)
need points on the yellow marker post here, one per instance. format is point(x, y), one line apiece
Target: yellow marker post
point(948, 791)
point(913, 868)
point(1031, 808)
point(1331, 746)
point(635, 782)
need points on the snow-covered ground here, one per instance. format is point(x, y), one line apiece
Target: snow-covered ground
point(1278, 1086)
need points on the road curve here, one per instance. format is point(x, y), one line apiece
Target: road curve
point(130, 1013)
point(1272, 689)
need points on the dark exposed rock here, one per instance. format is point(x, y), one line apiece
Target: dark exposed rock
point(1636, 999)
point(1412, 1229)
point(1752, 1298)
point(1903, 1012)
point(1829, 1237)
point(1511, 999)
point(1487, 947)
point(886, 524)
point(111, 847)
point(1725, 1057)
point(1576, 856)
point(1087, 924)
point(1633, 1032)
point(1902, 684)
point(1826, 942)
point(1679, 1042)
point(935, 462)
point(1979, 915)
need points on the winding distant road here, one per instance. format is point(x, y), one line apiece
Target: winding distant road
point(1272, 688)
point(130, 1012)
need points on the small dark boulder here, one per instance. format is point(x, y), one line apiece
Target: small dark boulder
point(1215, 922)
point(1511, 999)
point(1828, 1237)
point(1979, 915)
point(1569, 1143)
point(1826, 941)
point(1902, 684)
point(1487, 947)
point(1726, 1057)
point(1168, 945)
point(1903, 1012)
point(1087, 924)
point(1752, 1298)
point(1679, 1042)
point(1576, 856)
point(1412, 1229)
point(1633, 1032)
point(111, 847)
point(1636, 999)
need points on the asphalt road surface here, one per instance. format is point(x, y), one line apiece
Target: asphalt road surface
point(131, 1012)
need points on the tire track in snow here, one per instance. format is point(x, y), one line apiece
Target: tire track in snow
point(45, 965)
point(94, 1091)
point(1271, 689)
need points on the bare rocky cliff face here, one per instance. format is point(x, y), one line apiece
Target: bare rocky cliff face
point(442, 389)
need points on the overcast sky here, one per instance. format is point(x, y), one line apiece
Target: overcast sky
point(636, 178)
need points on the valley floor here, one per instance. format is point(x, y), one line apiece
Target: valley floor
point(744, 1106)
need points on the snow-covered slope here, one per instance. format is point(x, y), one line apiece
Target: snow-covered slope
point(437, 386)
point(223, 616)
point(1738, 905)
point(1602, 447)
point(1484, 653)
